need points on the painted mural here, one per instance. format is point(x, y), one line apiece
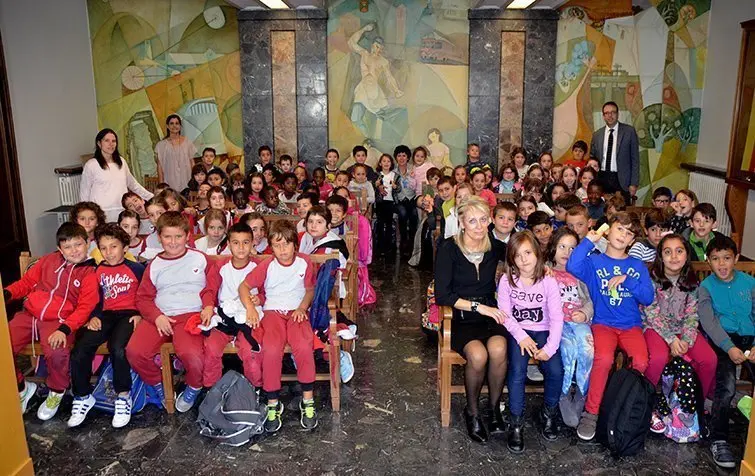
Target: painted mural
point(397, 73)
point(152, 59)
point(650, 60)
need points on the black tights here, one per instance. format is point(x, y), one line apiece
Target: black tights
point(490, 356)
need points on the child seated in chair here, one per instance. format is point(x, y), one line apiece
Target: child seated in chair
point(61, 293)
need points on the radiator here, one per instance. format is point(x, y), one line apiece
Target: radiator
point(712, 190)
point(68, 186)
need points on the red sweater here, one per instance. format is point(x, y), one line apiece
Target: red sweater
point(118, 285)
point(58, 290)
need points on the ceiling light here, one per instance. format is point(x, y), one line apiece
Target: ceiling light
point(276, 4)
point(520, 4)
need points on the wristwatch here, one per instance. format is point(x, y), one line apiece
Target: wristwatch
point(473, 306)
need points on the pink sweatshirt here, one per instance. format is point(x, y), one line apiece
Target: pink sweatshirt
point(532, 308)
point(419, 173)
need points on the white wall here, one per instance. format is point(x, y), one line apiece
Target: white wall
point(49, 65)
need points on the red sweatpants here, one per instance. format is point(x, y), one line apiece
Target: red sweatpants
point(20, 327)
point(280, 329)
point(145, 344)
point(213, 356)
point(704, 360)
point(606, 340)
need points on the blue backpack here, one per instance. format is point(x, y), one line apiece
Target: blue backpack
point(104, 393)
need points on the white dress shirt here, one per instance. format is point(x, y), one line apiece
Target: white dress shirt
point(614, 167)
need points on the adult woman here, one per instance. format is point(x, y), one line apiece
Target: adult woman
point(175, 156)
point(465, 279)
point(106, 177)
point(406, 208)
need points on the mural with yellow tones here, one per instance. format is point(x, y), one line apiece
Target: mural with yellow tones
point(154, 58)
point(650, 60)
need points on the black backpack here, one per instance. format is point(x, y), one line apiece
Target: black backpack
point(231, 411)
point(624, 418)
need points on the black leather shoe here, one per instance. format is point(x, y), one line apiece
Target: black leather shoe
point(496, 424)
point(549, 420)
point(475, 428)
point(515, 442)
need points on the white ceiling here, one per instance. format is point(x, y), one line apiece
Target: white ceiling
point(322, 3)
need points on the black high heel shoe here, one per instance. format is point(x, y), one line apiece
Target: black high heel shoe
point(476, 428)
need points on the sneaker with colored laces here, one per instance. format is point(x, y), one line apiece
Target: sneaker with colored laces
point(347, 367)
point(273, 421)
point(722, 454)
point(308, 414)
point(50, 406)
point(81, 406)
point(186, 399)
point(122, 411)
point(534, 374)
point(656, 424)
point(30, 389)
point(587, 425)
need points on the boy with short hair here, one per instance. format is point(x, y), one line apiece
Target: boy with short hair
point(561, 206)
point(208, 160)
point(662, 197)
point(135, 203)
point(360, 157)
point(473, 157)
point(701, 233)
point(177, 285)
point(338, 206)
point(264, 155)
point(342, 179)
point(304, 203)
point(578, 152)
point(113, 321)
point(504, 220)
point(288, 282)
point(539, 223)
point(285, 164)
point(595, 202)
point(446, 190)
point(578, 220)
point(725, 308)
point(61, 293)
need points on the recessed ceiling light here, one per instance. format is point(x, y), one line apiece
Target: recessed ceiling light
point(275, 4)
point(519, 4)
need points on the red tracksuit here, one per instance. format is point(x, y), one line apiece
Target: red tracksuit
point(59, 296)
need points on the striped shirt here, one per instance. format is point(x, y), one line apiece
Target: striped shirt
point(643, 252)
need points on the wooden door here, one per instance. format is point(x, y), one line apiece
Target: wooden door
point(13, 238)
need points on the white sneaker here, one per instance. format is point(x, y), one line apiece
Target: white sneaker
point(81, 406)
point(50, 406)
point(534, 374)
point(30, 388)
point(122, 411)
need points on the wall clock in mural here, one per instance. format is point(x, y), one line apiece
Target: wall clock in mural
point(132, 77)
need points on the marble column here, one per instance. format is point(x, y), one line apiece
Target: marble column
point(284, 83)
point(508, 106)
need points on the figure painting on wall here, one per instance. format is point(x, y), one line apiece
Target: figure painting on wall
point(440, 154)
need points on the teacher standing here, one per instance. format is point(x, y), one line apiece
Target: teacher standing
point(106, 176)
point(617, 148)
point(175, 156)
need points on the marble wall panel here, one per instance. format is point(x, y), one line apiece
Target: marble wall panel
point(283, 55)
point(511, 94)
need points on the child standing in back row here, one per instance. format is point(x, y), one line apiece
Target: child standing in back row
point(618, 284)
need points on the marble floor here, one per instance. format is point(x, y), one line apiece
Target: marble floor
point(388, 424)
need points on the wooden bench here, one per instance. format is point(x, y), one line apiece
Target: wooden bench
point(333, 348)
point(702, 268)
point(505, 197)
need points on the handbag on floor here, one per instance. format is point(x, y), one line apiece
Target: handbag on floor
point(104, 394)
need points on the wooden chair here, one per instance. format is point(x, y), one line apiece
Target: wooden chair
point(505, 197)
point(447, 358)
point(150, 183)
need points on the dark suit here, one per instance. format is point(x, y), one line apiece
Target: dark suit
point(627, 154)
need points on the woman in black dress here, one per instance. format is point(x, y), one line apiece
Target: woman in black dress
point(465, 280)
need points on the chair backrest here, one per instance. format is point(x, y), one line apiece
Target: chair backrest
point(505, 197)
point(25, 261)
point(702, 268)
point(292, 218)
point(150, 183)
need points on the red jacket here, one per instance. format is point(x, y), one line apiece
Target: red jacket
point(58, 290)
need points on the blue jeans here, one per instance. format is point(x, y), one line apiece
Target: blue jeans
point(552, 370)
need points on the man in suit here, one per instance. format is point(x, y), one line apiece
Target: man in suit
point(617, 148)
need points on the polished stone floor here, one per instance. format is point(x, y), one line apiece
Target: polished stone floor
point(388, 424)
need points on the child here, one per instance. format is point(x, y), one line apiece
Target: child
point(177, 203)
point(526, 206)
point(546, 162)
point(535, 188)
point(232, 168)
point(593, 163)
point(532, 302)
point(478, 182)
point(446, 191)
point(237, 180)
point(359, 183)
point(256, 223)
point(569, 178)
point(578, 152)
point(595, 204)
point(618, 284)
point(216, 198)
point(255, 183)
point(317, 238)
point(89, 215)
point(460, 174)
point(156, 206)
point(519, 158)
point(586, 175)
point(325, 188)
point(113, 321)
point(241, 204)
point(342, 180)
point(360, 157)
point(177, 284)
point(264, 155)
point(539, 223)
point(535, 172)
point(576, 337)
point(60, 293)
point(331, 165)
point(338, 206)
point(561, 206)
point(463, 192)
point(198, 177)
point(288, 190)
point(303, 205)
point(288, 282)
point(232, 325)
point(489, 184)
point(725, 301)
point(214, 242)
point(388, 184)
point(701, 233)
point(553, 193)
point(129, 222)
point(509, 179)
point(208, 159)
point(285, 164)
point(556, 173)
point(473, 158)
point(302, 177)
point(160, 187)
point(655, 227)
point(217, 178)
point(670, 322)
point(433, 176)
point(504, 219)
point(271, 204)
point(271, 175)
point(686, 200)
point(135, 203)
point(421, 166)
point(662, 197)
point(578, 220)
